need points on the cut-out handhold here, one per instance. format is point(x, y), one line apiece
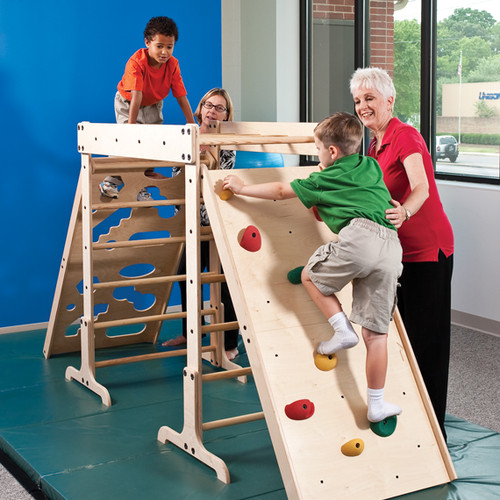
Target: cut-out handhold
point(353, 448)
point(300, 409)
point(251, 239)
point(316, 214)
point(385, 427)
point(225, 194)
point(294, 275)
point(325, 362)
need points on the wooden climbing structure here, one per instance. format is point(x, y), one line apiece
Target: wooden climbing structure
point(316, 414)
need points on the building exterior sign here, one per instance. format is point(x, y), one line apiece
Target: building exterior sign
point(489, 95)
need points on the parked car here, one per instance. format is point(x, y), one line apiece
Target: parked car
point(446, 147)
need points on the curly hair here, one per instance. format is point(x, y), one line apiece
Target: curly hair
point(161, 25)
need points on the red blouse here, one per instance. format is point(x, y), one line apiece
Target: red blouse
point(429, 230)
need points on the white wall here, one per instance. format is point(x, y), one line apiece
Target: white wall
point(260, 58)
point(474, 212)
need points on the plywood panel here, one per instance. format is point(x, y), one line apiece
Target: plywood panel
point(282, 326)
point(111, 224)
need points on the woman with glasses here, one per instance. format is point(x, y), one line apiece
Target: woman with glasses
point(216, 104)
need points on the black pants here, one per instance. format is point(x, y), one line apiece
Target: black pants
point(424, 301)
point(230, 336)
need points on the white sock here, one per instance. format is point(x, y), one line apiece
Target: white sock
point(344, 336)
point(378, 409)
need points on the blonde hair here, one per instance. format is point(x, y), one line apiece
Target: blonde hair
point(342, 130)
point(373, 78)
point(208, 95)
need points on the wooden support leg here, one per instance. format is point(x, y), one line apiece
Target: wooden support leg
point(86, 374)
point(190, 439)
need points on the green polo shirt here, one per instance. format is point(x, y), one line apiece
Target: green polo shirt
point(350, 188)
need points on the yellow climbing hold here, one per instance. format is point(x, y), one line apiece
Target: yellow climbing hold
point(325, 362)
point(225, 194)
point(353, 448)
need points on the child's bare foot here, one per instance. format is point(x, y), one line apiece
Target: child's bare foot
point(180, 340)
point(232, 353)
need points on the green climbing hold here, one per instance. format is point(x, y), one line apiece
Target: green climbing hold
point(294, 275)
point(385, 427)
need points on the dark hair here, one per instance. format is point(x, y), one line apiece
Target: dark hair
point(342, 130)
point(161, 25)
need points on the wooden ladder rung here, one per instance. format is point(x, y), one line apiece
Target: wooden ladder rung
point(242, 419)
point(147, 357)
point(99, 325)
point(237, 372)
point(115, 205)
point(205, 278)
point(146, 243)
point(219, 327)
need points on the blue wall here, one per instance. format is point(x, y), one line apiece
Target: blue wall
point(60, 63)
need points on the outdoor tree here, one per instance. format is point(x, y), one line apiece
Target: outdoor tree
point(473, 33)
point(407, 70)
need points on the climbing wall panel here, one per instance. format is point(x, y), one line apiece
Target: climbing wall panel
point(281, 327)
point(122, 219)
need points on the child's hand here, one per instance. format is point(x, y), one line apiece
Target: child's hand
point(233, 183)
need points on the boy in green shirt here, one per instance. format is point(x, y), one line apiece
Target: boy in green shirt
point(351, 198)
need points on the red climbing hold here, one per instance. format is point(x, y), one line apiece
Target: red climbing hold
point(316, 214)
point(300, 409)
point(251, 239)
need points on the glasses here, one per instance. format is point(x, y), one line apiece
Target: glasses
point(219, 108)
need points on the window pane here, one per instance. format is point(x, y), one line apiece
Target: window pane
point(407, 48)
point(332, 57)
point(395, 46)
point(468, 87)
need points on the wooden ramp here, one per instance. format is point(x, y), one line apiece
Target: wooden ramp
point(281, 327)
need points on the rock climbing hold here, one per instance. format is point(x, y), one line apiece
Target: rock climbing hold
point(325, 362)
point(316, 214)
point(225, 194)
point(300, 409)
point(385, 427)
point(251, 239)
point(353, 448)
point(294, 275)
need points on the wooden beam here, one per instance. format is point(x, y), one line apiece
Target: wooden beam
point(225, 422)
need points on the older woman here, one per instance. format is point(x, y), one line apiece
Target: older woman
point(423, 227)
point(216, 104)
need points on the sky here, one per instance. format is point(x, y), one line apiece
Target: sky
point(446, 7)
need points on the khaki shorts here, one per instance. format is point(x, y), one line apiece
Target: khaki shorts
point(369, 255)
point(147, 114)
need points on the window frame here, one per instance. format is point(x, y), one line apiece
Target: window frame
point(428, 38)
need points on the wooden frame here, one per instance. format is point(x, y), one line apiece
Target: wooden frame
point(280, 326)
point(91, 272)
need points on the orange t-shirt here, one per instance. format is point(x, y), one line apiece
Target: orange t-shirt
point(154, 83)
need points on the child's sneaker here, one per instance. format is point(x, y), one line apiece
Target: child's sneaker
point(144, 195)
point(109, 187)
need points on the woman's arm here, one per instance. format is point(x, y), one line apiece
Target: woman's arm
point(415, 170)
point(266, 191)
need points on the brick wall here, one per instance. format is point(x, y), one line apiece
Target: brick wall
point(381, 26)
point(333, 9)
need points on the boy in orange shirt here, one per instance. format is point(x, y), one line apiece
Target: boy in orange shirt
point(149, 76)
